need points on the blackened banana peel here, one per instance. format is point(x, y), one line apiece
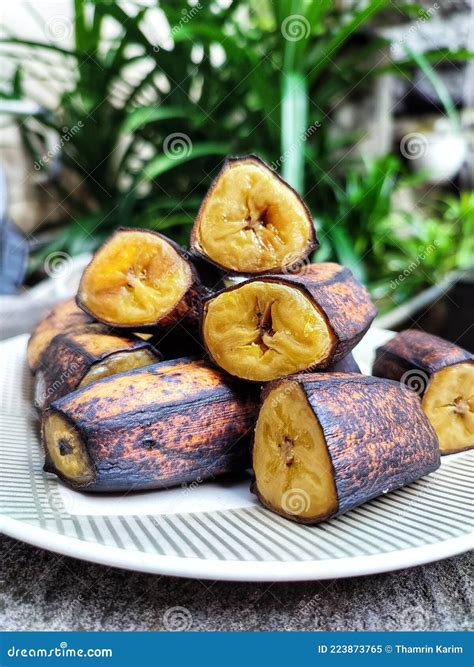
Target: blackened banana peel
point(269, 327)
point(166, 424)
point(327, 442)
point(442, 374)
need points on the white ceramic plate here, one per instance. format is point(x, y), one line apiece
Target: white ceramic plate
point(217, 530)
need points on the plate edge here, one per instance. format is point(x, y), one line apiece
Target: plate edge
point(245, 571)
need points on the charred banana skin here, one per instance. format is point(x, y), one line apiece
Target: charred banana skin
point(425, 363)
point(71, 355)
point(171, 423)
point(417, 350)
point(179, 341)
point(344, 302)
point(65, 316)
point(382, 443)
point(183, 337)
point(346, 365)
point(207, 281)
point(387, 427)
point(188, 311)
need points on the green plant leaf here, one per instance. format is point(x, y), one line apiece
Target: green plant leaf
point(343, 246)
point(164, 163)
point(294, 123)
point(142, 116)
point(130, 94)
point(438, 85)
point(343, 33)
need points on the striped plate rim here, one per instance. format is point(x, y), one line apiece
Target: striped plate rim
point(428, 520)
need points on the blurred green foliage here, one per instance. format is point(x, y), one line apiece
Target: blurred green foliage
point(148, 120)
point(392, 246)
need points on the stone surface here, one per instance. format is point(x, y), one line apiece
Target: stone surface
point(43, 591)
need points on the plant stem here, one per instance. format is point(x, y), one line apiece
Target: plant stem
point(294, 120)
